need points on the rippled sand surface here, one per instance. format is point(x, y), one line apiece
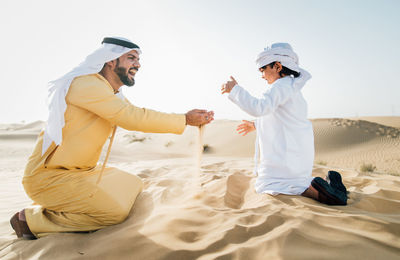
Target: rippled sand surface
point(214, 213)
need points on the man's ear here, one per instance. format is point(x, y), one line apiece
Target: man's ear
point(110, 64)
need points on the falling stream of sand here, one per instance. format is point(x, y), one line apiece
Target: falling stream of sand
point(199, 150)
point(196, 185)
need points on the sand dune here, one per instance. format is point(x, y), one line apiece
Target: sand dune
point(353, 143)
point(342, 143)
point(215, 213)
point(393, 121)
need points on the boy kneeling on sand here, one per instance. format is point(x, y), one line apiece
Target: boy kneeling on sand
point(285, 140)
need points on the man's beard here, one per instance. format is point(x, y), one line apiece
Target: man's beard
point(123, 75)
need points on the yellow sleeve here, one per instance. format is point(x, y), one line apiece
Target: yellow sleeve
point(93, 94)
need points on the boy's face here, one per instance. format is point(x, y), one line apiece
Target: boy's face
point(271, 74)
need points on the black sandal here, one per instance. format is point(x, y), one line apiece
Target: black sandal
point(328, 194)
point(21, 227)
point(335, 180)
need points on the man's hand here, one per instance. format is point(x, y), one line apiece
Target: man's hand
point(197, 117)
point(246, 127)
point(228, 86)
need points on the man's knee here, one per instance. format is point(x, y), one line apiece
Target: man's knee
point(118, 216)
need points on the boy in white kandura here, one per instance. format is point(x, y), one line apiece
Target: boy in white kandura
point(285, 140)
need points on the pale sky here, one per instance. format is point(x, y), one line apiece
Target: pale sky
point(191, 47)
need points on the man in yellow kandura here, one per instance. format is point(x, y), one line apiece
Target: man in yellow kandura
point(70, 192)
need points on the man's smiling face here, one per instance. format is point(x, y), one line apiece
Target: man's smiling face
point(127, 66)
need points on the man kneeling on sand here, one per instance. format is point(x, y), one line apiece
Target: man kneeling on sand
point(69, 191)
point(285, 136)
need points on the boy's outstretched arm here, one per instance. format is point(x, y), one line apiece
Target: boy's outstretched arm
point(258, 106)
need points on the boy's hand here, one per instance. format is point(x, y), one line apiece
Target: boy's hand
point(228, 86)
point(246, 127)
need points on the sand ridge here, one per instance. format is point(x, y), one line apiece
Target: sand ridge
point(393, 121)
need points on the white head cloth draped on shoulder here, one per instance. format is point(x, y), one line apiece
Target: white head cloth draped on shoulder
point(281, 52)
point(111, 49)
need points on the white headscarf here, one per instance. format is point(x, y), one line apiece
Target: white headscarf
point(281, 52)
point(58, 89)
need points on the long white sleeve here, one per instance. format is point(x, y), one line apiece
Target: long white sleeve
point(279, 94)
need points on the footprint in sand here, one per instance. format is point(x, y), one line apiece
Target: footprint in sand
point(236, 187)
